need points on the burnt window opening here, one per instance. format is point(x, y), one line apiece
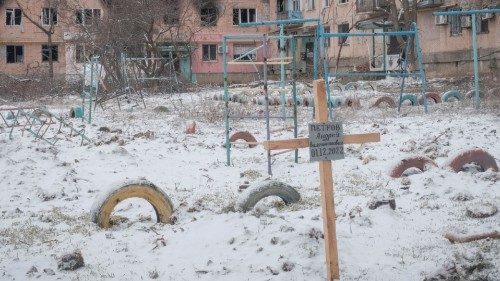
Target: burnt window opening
point(280, 6)
point(13, 16)
point(87, 16)
point(208, 16)
point(343, 28)
point(47, 51)
point(209, 52)
point(244, 16)
point(15, 54)
point(49, 16)
point(482, 25)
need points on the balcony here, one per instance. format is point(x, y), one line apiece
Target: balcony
point(290, 15)
point(371, 6)
point(428, 4)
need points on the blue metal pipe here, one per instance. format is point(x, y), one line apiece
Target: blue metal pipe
point(476, 61)
point(463, 13)
point(389, 33)
point(278, 22)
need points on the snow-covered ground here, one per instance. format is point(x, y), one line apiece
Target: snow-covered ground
point(46, 194)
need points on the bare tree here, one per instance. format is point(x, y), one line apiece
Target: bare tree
point(47, 25)
point(141, 28)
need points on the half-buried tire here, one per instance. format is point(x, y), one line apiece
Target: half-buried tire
point(260, 190)
point(476, 155)
point(246, 136)
point(387, 100)
point(103, 207)
point(423, 163)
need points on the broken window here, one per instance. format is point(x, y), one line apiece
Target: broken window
point(310, 5)
point(208, 16)
point(482, 24)
point(280, 6)
point(49, 16)
point(249, 52)
point(455, 24)
point(15, 54)
point(13, 16)
point(244, 16)
point(47, 51)
point(87, 16)
point(209, 52)
point(343, 28)
point(343, 1)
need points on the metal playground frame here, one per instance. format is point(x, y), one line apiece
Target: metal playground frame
point(282, 61)
point(412, 39)
point(473, 14)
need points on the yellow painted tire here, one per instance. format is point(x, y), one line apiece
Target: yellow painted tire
point(104, 206)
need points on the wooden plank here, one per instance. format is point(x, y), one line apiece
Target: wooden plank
point(304, 142)
point(326, 187)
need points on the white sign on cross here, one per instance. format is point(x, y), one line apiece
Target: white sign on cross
point(326, 177)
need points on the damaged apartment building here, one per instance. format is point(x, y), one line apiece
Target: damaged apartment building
point(445, 40)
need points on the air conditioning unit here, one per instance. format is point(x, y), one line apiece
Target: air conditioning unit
point(487, 16)
point(466, 21)
point(220, 49)
point(440, 20)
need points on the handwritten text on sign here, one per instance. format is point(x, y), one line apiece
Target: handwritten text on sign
point(326, 141)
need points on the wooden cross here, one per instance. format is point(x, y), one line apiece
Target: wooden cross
point(326, 178)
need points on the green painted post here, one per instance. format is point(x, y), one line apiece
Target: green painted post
point(226, 101)
point(282, 71)
point(315, 55)
point(326, 69)
point(294, 93)
point(420, 66)
point(83, 90)
point(476, 62)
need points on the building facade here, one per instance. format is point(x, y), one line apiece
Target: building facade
point(445, 41)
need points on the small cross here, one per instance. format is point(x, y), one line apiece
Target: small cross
point(326, 177)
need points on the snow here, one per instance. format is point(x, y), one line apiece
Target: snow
point(210, 241)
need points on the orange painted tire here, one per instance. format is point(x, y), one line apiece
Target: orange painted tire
point(244, 135)
point(388, 100)
point(421, 162)
point(431, 95)
point(479, 156)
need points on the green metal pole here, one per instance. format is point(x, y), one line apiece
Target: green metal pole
point(476, 62)
point(91, 89)
point(420, 66)
point(226, 102)
point(282, 71)
point(83, 90)
point(326, 69)
point(315, 55)
point(294, 93)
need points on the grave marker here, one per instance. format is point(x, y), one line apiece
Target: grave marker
point(330, 137)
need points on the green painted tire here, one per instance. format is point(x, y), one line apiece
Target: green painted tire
point(410, 97)
point(451, 94)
